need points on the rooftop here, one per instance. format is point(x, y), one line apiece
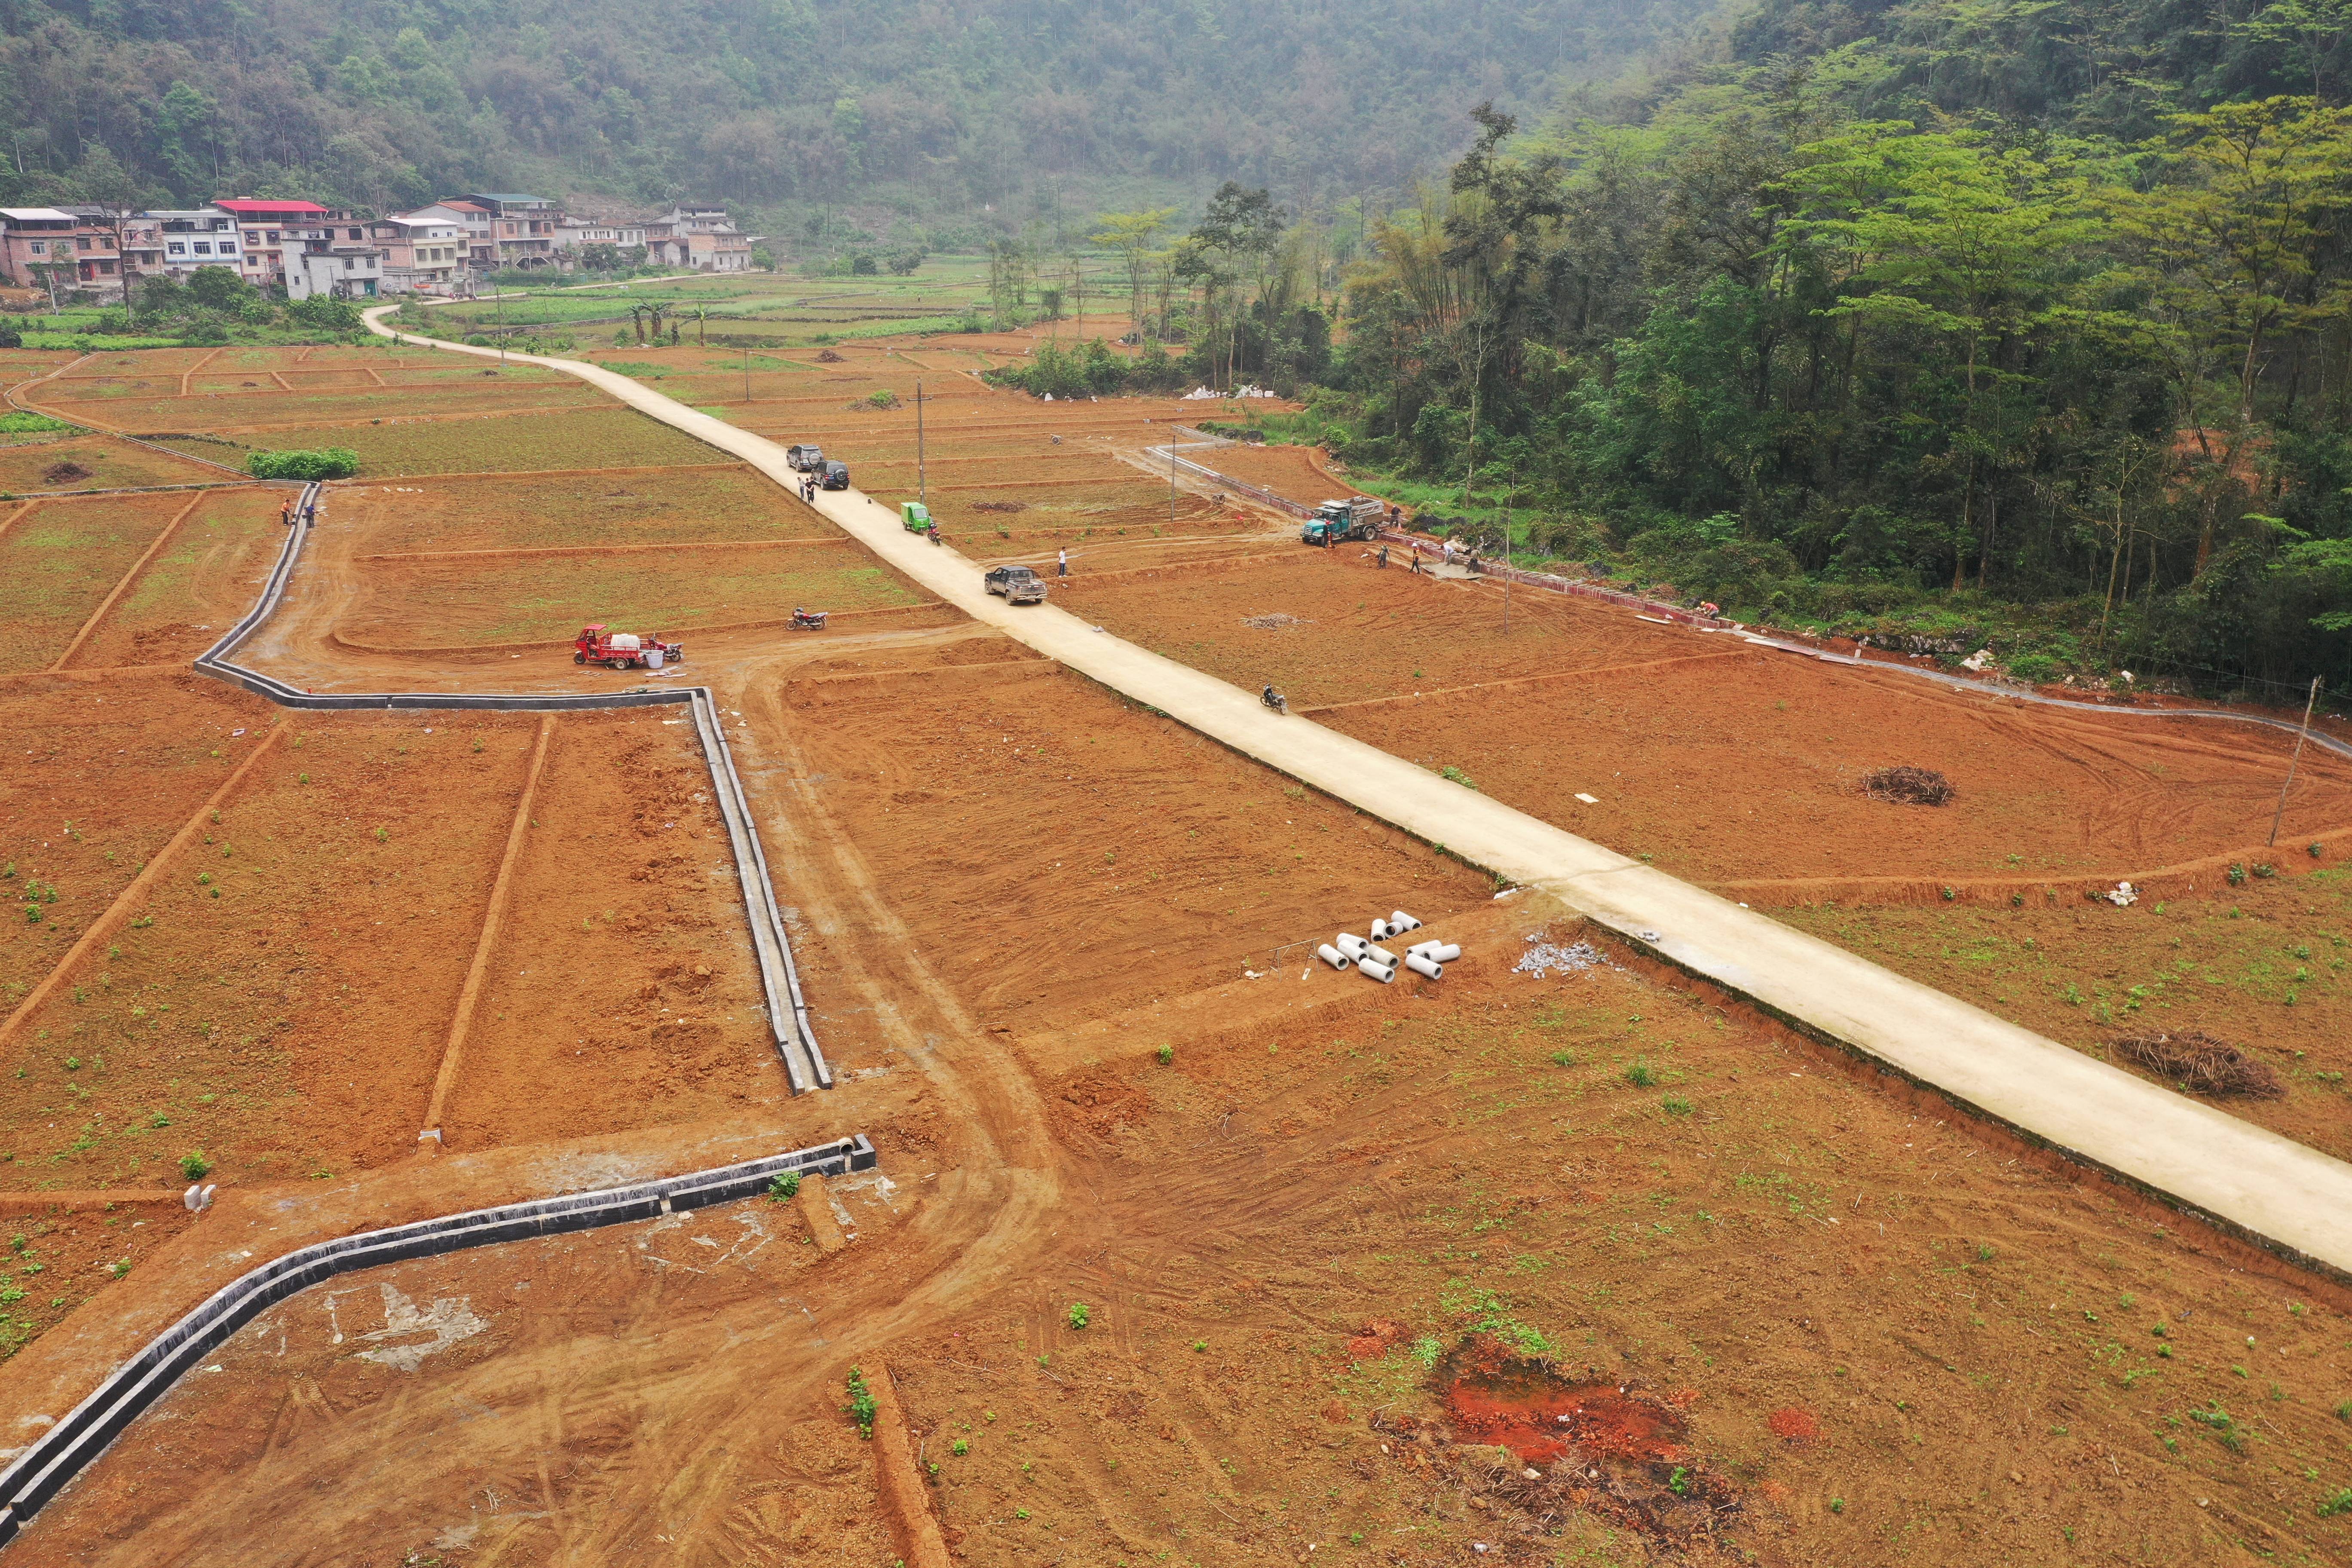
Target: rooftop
point(255, 207)
point(36, 215)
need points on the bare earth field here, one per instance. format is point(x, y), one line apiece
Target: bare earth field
point(1183, 1249)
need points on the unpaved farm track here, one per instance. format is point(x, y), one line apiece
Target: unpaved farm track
point(2279, 1193)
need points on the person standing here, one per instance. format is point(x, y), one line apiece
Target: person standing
point(286, 512)
point(1062, 567)
point(1384, 557)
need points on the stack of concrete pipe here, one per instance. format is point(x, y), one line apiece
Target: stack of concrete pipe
point(1377, 962)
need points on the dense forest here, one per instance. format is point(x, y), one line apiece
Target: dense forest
point(931, 105)
point(2027, 322)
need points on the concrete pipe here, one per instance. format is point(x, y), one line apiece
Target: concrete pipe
point(1441, 952)
point(1401, 922)
point(1353, 946)
point(1383, 972)
point(1332, 956)
point(1421, 965)
point(1378, 956)
point(1379, 930)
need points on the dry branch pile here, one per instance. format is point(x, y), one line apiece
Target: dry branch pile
point(1909, 786)
point(2198, 1061)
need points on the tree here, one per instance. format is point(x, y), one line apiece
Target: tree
point(2228, 248)
point(217, 289)
point(111, 195)
point(1953, 239)
point(1131, 235)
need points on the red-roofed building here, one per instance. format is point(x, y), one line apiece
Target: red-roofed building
point(272, 227)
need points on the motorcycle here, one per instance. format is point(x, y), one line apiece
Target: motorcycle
point(1274, 699)
point(808, 620)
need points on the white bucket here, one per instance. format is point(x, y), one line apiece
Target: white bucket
point(1421, 965)
point(1383, 972)
point(653, 658)
point(1332, 956)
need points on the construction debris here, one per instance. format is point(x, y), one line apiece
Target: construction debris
point(1542, 957)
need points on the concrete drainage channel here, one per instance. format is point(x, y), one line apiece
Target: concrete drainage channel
point(65, 1449)
point(788, 1015)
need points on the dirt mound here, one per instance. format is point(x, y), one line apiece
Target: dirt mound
point(2199, 1062)
point(1598, 1445)
point(1909, 786)
point(826, 356)
point(64, 473)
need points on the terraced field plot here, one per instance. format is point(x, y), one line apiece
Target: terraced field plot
point(700, 503)
point(491, 601)
point(195, 587)
point(65, 463)
point(59, 561)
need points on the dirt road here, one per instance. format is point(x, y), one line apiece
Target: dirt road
point(2289, 1197)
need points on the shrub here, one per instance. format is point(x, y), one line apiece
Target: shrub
point(24, 422)
point(785, 1186)
point(1166, 1053)
point(193, 1166)
point(1080, 1314)
point(326, 463)
point(861, 1407)
point(1640, 1075)
point(1456, 775)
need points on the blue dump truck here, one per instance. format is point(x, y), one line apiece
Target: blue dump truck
point(1337, 521)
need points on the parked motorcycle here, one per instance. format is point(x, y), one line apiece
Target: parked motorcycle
point(1274, 699)
point(807, 620)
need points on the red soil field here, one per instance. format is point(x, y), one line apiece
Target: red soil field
point(1014, 892)
point(131, 760)
point(340, 898)
point(644, 506)
point(200, 582)
point(103, 464)
point(1182, 866)
point(1296, 473)
point(1251, 1218)
point(60, 560)
point(1726, 764)
point(504, 601)
point(2261, 965)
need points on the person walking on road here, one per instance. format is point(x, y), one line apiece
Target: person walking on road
point(1062, 567)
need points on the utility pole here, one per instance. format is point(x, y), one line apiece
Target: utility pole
point(922, 470)
point(2301, 737)
point(747, 377)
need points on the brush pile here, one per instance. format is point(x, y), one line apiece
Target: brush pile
point(2200, 1064)
point(1909, 786)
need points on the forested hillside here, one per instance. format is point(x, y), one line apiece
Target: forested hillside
point(941, 104)
point(2032, 323)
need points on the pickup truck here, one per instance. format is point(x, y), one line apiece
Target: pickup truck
point(804, 458)
point(1336, 522)
point(1019, 585)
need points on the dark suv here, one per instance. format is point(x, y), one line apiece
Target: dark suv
point(804, 458)
point(834, 476)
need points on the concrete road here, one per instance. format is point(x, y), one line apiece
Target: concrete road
point(2289, 1198)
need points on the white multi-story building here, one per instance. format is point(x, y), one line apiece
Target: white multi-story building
point(190, 238)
